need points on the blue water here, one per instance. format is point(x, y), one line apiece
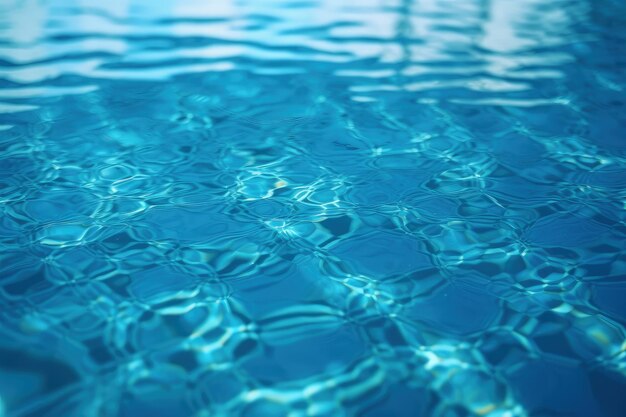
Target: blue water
point(313, 208)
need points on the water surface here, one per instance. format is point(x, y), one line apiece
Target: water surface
point(313, 208)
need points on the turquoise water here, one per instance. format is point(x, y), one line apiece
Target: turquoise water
point(313, 208)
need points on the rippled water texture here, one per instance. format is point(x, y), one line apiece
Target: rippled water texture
point(313, 208)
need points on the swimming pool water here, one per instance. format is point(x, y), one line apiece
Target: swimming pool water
point(297, 208)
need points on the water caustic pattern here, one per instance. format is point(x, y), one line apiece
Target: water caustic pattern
point(313, 208)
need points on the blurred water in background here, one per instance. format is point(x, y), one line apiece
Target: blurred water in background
point(312, 208)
